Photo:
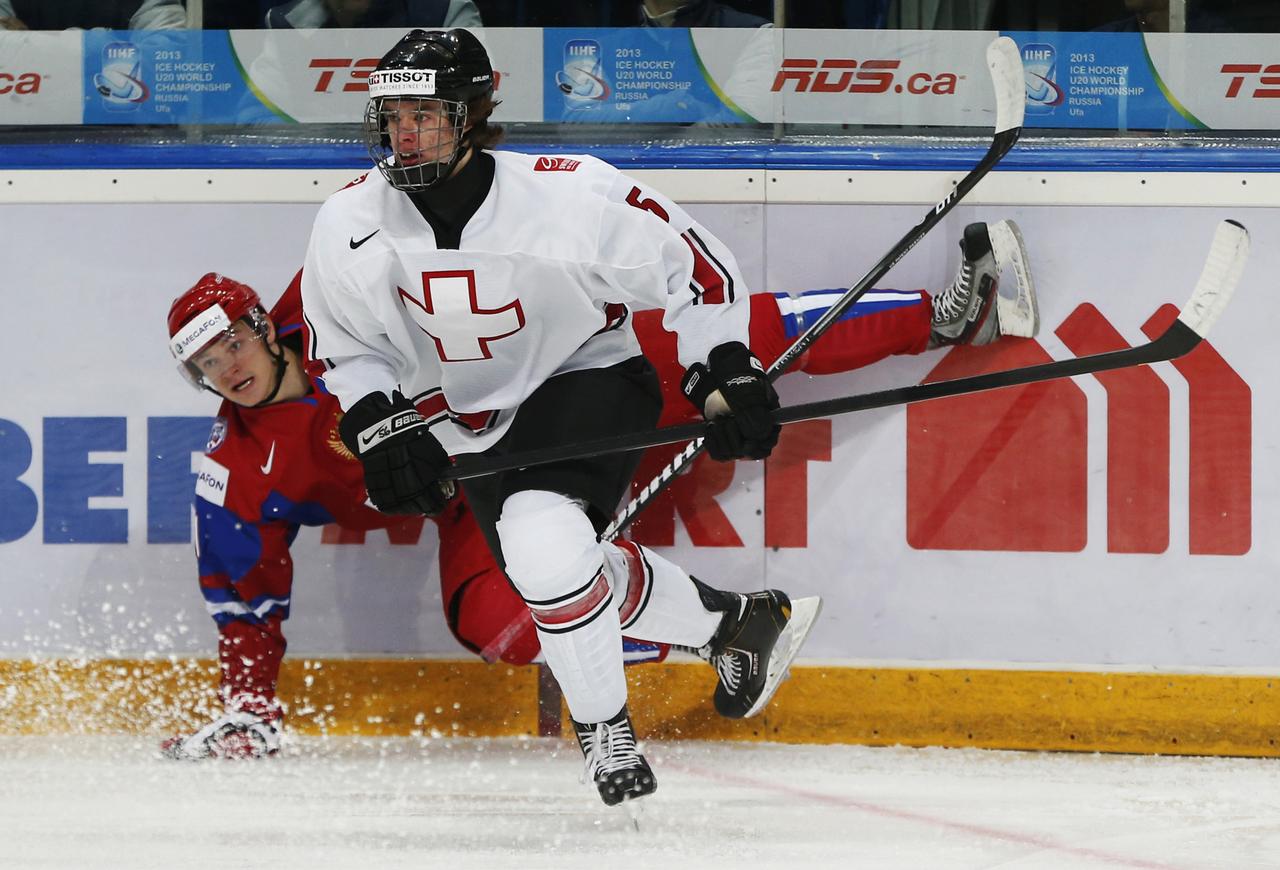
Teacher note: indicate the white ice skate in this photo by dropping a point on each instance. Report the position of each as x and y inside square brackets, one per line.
[975, 309]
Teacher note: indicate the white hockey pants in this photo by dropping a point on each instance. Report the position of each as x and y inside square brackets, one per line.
[583, 594]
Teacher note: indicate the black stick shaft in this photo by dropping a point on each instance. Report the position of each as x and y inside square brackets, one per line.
[1177, 340]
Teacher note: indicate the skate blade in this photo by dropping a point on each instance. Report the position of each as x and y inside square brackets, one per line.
[1019, 315]
[804, 613]
[634, 811]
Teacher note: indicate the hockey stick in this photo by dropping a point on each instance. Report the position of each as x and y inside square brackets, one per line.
[1221, 273]
[1005, 64]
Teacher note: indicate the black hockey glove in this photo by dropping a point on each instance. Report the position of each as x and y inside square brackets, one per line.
[732, 392]
[402, 460]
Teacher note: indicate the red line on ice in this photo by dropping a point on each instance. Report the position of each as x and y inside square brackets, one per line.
[922, 818]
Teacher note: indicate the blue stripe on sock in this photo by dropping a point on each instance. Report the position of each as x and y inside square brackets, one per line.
[794, 324]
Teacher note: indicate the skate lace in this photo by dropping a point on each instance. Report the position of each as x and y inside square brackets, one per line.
[729, 667]
[610, 747]
[956, 297]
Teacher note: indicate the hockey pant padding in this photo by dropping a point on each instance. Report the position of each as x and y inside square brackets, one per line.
[557, 565]
[656, 599]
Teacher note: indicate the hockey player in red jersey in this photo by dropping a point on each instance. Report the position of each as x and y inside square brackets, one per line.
[470, 301]
[274, 462]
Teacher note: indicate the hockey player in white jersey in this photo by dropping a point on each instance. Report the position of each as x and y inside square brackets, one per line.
[467, 301]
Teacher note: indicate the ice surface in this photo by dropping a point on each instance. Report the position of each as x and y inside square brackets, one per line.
[83, 803]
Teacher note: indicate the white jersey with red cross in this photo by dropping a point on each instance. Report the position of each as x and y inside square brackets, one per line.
[542, 282]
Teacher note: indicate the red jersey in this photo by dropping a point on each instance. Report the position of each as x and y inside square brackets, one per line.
[266, 472]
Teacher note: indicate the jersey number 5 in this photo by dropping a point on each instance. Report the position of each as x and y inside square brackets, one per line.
[634, 199]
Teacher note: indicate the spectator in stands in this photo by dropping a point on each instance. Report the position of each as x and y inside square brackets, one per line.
[374, 13]
[940, 14]
[87, 14]
[863, 14]
[1152, 16]
[233, 14]
[695, 13]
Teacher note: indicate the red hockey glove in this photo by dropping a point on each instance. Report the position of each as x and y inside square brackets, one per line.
[732, 392]
[402, 460]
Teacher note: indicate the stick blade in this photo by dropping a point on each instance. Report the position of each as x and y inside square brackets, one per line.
[1222, 268]
[1005, 62]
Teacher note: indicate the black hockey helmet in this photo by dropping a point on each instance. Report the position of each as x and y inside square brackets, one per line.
[448, 68]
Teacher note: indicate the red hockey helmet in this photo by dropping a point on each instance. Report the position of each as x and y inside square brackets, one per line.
[208, 313]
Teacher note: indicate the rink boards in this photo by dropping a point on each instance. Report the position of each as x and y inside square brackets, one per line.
[948, 705]
[1083, 565]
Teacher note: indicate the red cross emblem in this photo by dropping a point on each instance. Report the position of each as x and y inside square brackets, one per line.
[450, 313]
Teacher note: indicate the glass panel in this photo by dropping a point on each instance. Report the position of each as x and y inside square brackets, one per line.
[588, 73]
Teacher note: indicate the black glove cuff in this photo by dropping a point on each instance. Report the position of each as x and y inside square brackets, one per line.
[697, 384]
[375, 420]
[726, 361]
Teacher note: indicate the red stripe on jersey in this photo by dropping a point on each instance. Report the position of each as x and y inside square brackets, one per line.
[574, 610]
[316, 367]
[614, 315]
[711, 284]
[478, 421]
[433, 407]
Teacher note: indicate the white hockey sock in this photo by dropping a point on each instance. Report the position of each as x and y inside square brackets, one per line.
[556, 563]
[656, 599]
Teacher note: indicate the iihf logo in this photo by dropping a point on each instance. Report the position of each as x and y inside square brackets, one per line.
[581, 76]
[1040, 68]
[120, 82]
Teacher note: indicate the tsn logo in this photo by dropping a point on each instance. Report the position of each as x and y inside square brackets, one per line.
[840, 75]
[19, 83]
[1267, 76]
[356, 78]
[357, 73]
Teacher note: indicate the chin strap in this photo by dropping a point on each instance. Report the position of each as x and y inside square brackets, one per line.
[445, 170]
[281, 365]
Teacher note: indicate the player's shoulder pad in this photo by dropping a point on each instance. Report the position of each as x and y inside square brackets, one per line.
[358, 195]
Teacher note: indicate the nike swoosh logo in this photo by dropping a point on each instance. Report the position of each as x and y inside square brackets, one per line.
[355, 244]
[271, 457]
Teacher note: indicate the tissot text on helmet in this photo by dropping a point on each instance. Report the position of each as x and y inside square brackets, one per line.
[417, 82]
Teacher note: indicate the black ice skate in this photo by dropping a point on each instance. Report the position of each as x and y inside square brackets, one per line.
[613, 762]
[972, 309]
[754, 646]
